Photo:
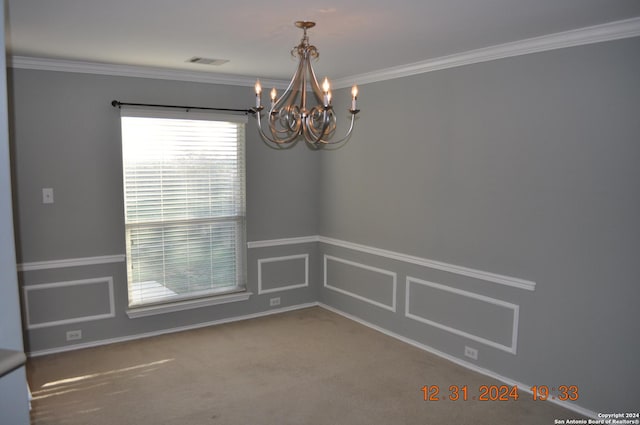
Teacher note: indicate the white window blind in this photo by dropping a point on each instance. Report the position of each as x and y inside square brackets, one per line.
[184, 199]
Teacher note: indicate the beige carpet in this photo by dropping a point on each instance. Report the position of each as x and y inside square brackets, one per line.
[304, 367]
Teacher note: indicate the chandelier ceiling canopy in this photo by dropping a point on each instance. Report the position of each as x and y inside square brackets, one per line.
[295, 115]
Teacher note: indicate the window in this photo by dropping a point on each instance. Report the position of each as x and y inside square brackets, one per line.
[184, 200]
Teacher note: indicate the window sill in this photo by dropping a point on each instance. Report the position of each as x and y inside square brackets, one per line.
[152, 310]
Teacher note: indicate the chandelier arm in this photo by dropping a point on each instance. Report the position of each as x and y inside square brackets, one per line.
[302, 87]
[289, 121]
[346, 136]
[328, 120]
[291, 90]
[314, 84]
[284, 116]
[307, 133]
[274, 140]
[314, 134]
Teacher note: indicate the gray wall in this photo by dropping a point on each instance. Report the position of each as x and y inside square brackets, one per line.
[519, 170]
[525, 167]
[66, 135]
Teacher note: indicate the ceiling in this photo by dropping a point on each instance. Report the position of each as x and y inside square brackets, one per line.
[354, 37]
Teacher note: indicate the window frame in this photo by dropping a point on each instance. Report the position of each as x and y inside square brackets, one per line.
[213, 296]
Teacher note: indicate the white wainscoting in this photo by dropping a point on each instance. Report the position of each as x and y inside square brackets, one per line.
[500, 279]
[108, 313]
[305, 278]
[70, 262]
[513, 307]
[282, 242]
[433, 264]
[394, 277]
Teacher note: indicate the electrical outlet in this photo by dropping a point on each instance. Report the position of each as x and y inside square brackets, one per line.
[274, 301]
[471, 352]
[73, 335]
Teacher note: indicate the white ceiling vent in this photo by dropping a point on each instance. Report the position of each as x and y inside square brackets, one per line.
[207, 61]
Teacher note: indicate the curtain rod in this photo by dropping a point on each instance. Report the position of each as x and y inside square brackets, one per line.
[118, 104]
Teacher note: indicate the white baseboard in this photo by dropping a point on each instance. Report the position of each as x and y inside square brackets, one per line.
[521, 387]
[101, 342]
[524, 387]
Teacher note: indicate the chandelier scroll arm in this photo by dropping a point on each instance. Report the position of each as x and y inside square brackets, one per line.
[348, 133]
[284, 101]
[291, 91]
[313, 134]
[266, 138]
[314, 83]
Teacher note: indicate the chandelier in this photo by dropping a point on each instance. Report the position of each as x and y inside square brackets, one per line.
[293, 115]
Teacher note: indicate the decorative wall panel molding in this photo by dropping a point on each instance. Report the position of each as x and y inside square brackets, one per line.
[389, 279]
[273, 280]
[452, 319]
[61, 303]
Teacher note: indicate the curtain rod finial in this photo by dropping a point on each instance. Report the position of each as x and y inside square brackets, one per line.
[115, 103]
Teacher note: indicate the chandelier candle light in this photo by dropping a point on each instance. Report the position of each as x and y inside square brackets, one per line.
[290, 117]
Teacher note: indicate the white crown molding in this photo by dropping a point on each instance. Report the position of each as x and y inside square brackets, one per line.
[595, 34]
[82, 67]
